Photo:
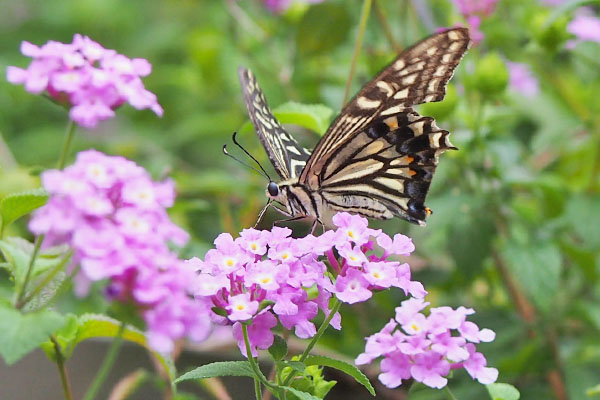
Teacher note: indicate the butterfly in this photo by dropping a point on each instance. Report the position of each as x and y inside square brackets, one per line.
[378, 157]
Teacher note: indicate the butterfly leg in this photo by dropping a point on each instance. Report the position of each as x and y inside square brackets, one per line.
[314, 226]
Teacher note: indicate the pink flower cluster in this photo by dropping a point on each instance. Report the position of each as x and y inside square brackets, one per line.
[263, 277]
[474, 11]
[522, 79]
[113, 215]
[91, 79]
[426, 348]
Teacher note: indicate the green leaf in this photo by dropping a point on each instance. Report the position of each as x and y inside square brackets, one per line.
[593, 391]
[503, 391]
[15, 205]
[537, 267]
[98, 325]
[21, 333]
[315, 117]
[278, 349]
[315, 34]
[300, 394]
[344, 367]
[18, 251]
[221, 368]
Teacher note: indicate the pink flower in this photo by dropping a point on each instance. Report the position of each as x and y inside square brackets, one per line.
[352, 288]
[427, 347]
[112, 214]
[585, 26]
[259, 333]
[480, 7]
[92, 80]
[241, 307]
[279, 6]
[522, 79]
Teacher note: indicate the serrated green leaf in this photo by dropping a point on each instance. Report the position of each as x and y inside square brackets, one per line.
[17, 253]
[315, 117]
[278, 349]
[21, 333]
[98, 325]
[344, 367]
[221, 368]
[503, 391]
[300, 394]
[16, 205]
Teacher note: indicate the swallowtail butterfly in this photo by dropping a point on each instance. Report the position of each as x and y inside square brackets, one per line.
[379, 155]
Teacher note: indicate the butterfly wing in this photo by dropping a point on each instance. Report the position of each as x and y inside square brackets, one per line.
[286, 155]
[386, 169]
[417, 75]
[379, 155]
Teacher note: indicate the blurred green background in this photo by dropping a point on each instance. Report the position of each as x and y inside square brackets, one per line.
[515, 232]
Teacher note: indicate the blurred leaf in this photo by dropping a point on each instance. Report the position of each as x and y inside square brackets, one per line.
[344, 367]
[18, 252]
[490, 77]
[21, 333]
[221, 368]
[503, 391]
[90, 326]
[583, 214]
[536, 267]
[315, 117]
[278, 349]
[16, 205]
[315, 34]
[593, 391]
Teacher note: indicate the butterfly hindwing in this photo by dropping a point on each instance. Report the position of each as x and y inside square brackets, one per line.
[286, 155]
[417, 75]
[386, 169]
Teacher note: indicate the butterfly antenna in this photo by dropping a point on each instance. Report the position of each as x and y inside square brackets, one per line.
[251, 156]
[243, 163]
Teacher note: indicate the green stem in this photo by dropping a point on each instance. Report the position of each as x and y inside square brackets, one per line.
[107, 364]
[449, 393]
[66, 145]
[253, 364]
[60, 362]
[36, 249]
[364, 16]
[385, 26]
[315, 339]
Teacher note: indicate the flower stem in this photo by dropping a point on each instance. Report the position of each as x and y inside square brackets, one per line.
[449, 393]
[253, 364]
[107, 364]
[60, 362]
[385, 26]
[66, 145]
[36, 249]
[315, 339]
[364, 16]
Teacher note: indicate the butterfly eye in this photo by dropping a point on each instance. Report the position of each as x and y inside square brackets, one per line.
[273, 189]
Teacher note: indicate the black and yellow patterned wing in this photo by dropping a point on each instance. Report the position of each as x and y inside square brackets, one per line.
[379, 155]
[385, 170]
[286, 155]
[418, 75]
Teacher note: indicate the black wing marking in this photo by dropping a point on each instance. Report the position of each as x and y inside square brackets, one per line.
[286, 155]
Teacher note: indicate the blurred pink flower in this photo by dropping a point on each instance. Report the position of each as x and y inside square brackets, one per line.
[113, 215]
[585, 26]
[92, 80]
[522, 79]
[279, 6]
[474, 11]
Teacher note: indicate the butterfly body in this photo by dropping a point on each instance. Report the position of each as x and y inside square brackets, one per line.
[378, 157]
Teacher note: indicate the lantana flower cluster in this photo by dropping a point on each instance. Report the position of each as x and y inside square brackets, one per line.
[265, 277]
[113, 215]
[92, 80]
[522, 79]
[426, 348]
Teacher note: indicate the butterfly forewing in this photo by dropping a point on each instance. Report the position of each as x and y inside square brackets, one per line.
[417, 75]
[286, 155]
